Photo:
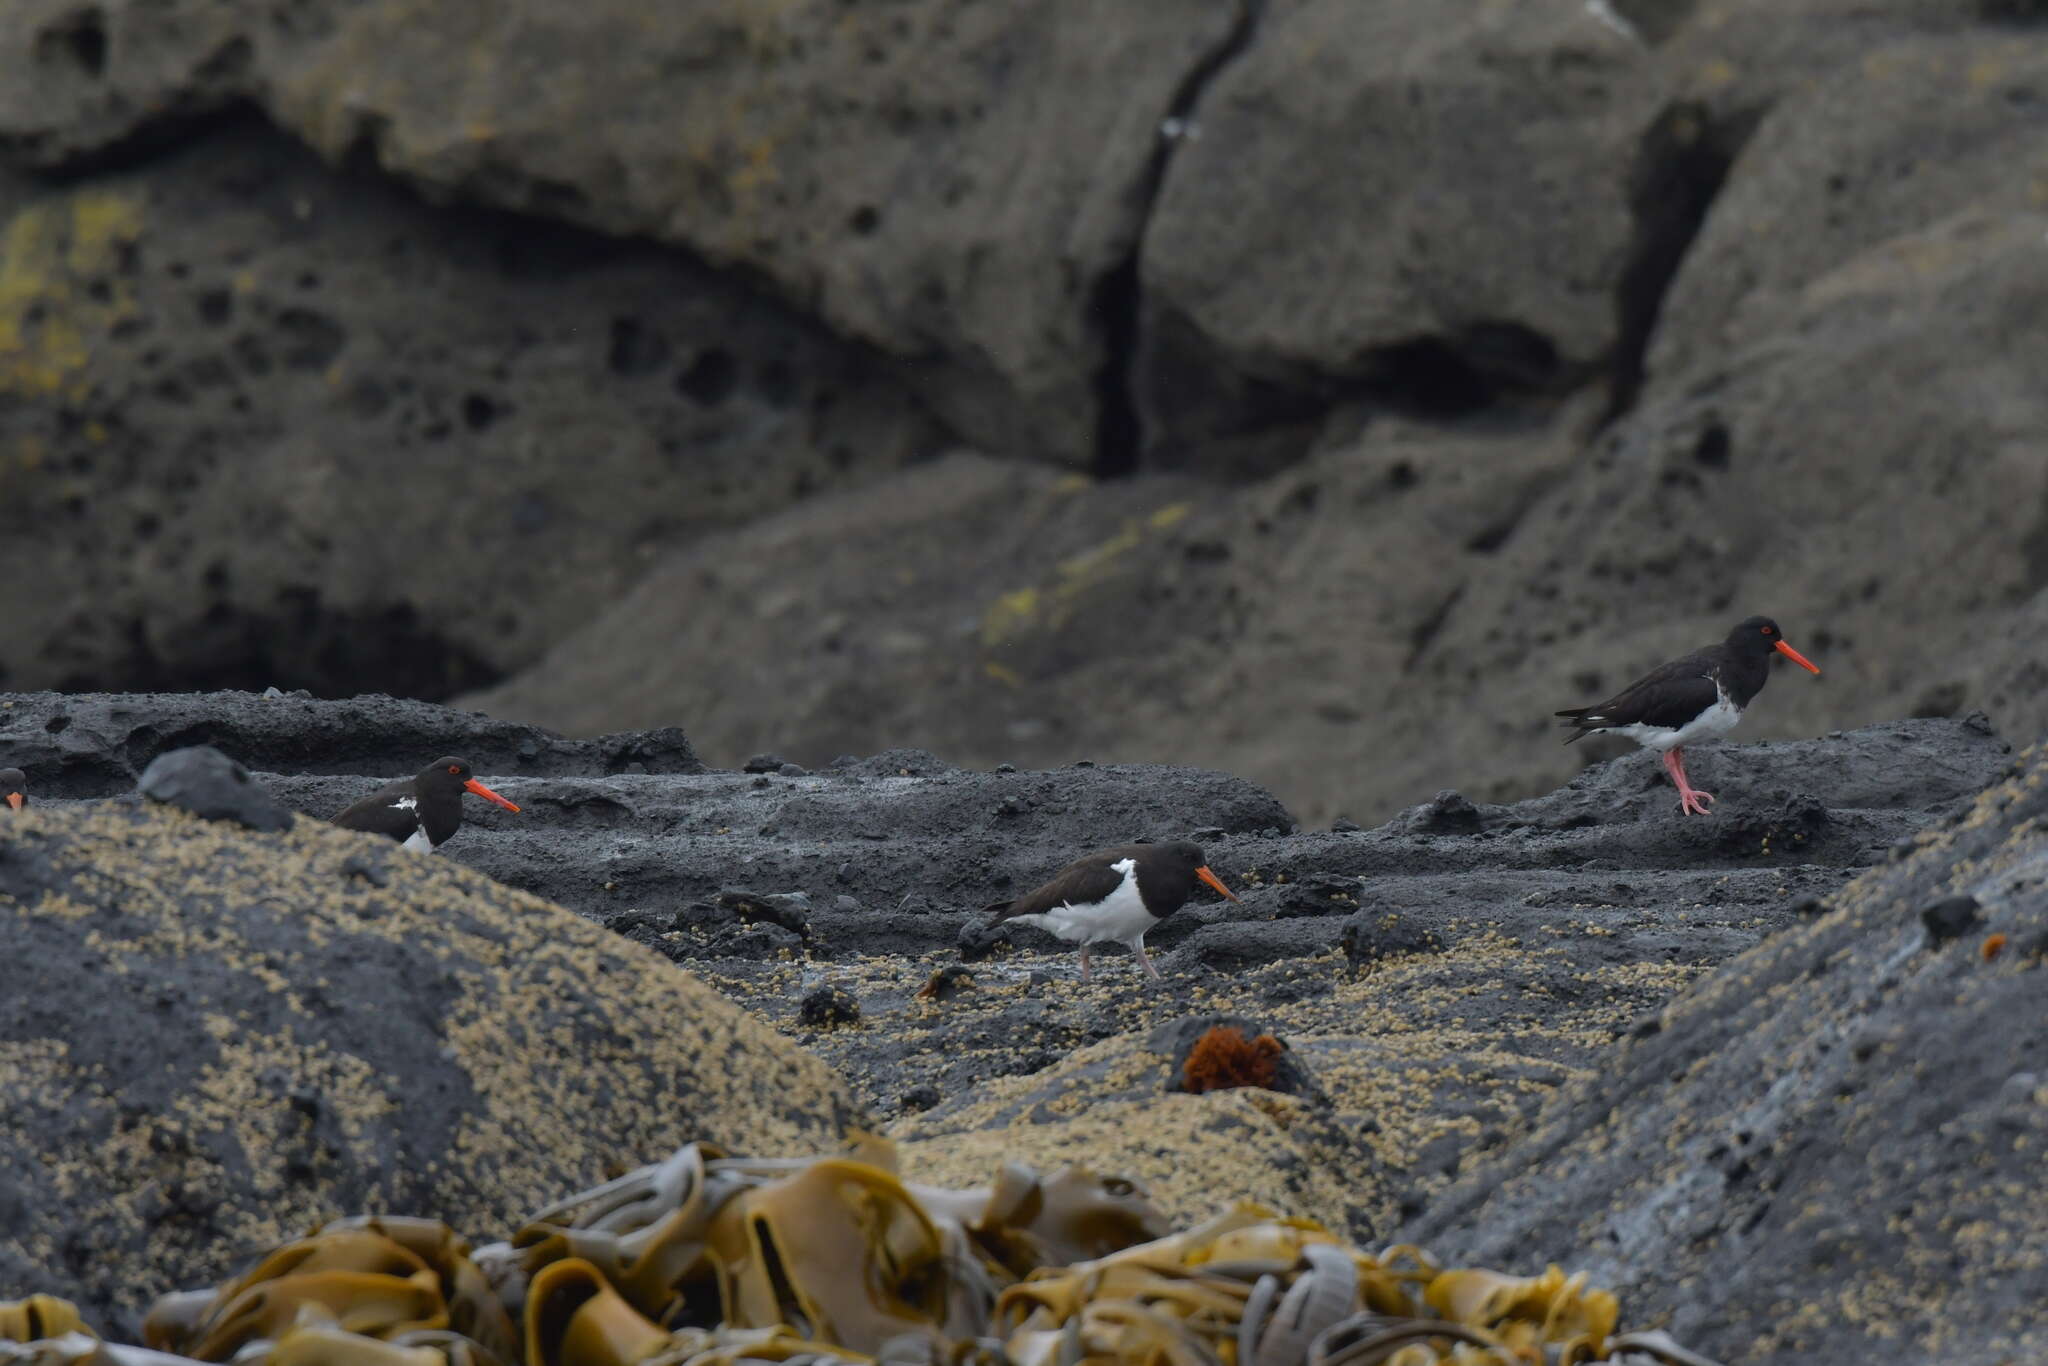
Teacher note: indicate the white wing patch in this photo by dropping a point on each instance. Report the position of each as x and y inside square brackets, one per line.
[406, 804]
[1119, 918]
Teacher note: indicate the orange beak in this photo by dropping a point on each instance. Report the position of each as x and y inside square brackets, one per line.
[1214, 881]
[474, 786]
[1801, 660]
[15, 799]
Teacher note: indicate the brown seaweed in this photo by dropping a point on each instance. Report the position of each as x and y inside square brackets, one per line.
[708, 1260]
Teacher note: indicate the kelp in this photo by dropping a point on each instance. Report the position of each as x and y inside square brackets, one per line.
[705, 1259]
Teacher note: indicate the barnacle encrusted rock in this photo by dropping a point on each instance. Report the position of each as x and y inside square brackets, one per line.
[211, 1041]
[1830, 1152]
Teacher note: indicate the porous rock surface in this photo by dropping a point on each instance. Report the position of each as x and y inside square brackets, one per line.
[268, 421]
[213, 1040]
[1521, 346]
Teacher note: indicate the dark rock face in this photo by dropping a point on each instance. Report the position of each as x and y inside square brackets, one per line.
[282, 424]
[908, 174]
[1559, 360]
[1818, 1124]
[259, 1032]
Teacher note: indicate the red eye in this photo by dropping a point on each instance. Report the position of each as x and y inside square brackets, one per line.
[1767, 630]
[456, 769]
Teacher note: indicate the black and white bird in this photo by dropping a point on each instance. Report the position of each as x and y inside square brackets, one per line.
[1692, 698]
[1112, 896]
[13, 788]
[421, 812]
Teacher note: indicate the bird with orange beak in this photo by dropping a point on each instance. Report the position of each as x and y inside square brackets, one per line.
[424, 811]
[1113, 896]
[13, 788]
[1695, 697]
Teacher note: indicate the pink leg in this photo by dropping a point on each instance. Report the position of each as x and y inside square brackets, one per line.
[1084, 962]
[1691, 801]
[1145, 959]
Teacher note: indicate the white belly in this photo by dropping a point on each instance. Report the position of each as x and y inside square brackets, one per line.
[1120, 918]
[418, 840]
[1718, 719]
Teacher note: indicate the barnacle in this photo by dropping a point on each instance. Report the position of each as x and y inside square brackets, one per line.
[704, 1259]
[1223, 1058]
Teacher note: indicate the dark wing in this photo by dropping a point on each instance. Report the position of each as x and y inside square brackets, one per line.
[380, 814]
[1669, 695]
[1088, 878]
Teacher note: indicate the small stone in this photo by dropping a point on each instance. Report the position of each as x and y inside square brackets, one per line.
[1006, 768]
[1949, 917]
[1344, 825]
[273, 691]
[946, 983]
[791, 910]
[529, 749]
[763, 763]
[794, 771]
[920, 1098]
[1084, 763]
[207, 783]
[829, 1007]
[703, 915]
[845, 905]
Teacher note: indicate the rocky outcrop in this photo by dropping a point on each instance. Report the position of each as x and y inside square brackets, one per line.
[1547, 336]
[1434, 985]
[1491, 949]
[949, 185]
[268, 423]
[1829, 1151]
[227, 1038]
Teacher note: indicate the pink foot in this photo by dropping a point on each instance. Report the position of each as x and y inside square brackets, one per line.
[1691, 801]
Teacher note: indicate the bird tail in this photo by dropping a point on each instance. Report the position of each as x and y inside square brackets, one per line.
[1582, 722]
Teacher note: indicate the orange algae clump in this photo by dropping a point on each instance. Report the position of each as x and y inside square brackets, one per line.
[1224, 1058]
[1992, 945]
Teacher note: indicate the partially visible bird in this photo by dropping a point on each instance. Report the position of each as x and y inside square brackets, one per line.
[421, 812]
[14, 788]
[1700, 695]
[1113, 896]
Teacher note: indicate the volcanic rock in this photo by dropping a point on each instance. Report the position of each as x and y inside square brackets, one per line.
[1830, 1151]
[228, 1038]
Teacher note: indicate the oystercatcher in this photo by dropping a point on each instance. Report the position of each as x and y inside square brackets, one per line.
[421, 812]
[1113, 896]
[13, 788]
[1700, 695]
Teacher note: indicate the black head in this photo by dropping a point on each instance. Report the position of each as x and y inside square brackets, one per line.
[451, 774]
[1760, 636]
[446, 771]
[13, 789]
[1186, 859]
